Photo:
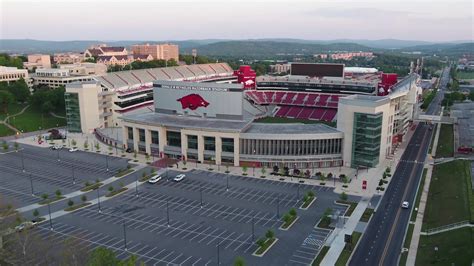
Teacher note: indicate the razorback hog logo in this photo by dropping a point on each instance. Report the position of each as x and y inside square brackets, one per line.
[192, 101]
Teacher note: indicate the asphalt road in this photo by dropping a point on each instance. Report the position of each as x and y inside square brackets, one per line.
[382, 242]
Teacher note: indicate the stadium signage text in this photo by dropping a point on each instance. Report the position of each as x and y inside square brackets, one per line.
[192, 88]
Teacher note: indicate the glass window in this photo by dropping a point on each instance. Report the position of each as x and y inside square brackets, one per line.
[154, 137]
[192, 142]
[209, 143]
[173, 138]
[141, 135]
[227, 144]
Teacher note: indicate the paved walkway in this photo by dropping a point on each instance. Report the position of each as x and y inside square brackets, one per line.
[415, 239]
[337, 235]
[7, 124]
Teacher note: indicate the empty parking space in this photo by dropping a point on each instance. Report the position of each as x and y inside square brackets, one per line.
[307, 251]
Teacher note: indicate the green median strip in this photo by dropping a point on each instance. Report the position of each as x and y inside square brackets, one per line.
[73, 208]
[366, 215]
[123, 173]
[317, 261]
[92, 187]
[113, 193]
[418, 196]
[46, 201]
[347, 251]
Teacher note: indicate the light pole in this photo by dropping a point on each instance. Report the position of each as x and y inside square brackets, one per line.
[298, 193]
[124, 235]
[22, 161]
[136, 187]
[278, 207]
[50, 221]
[253, 228]
[57, 152]
[107, 162]
[227, 188]
[168, 212]
[218, 255]
[31, 182]
[73, 176]
[200, 190]
[98, 200]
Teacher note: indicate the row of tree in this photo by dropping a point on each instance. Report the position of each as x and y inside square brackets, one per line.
[12, 61]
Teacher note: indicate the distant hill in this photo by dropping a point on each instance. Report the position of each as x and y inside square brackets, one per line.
[449, 49]
[259, 49]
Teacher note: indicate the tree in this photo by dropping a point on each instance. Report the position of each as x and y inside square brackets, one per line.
[20, 91]
[244, 169]
[292, 212]
[260, 242]
[86, 145]
[263, 170]
[5, 145]
[270, 234]
[16, 145]
[44, 196]
[103, 257]
[276, 169]
[239, 261]
[73, 142]
[111, 188]
[84, 198]
[286, 217]
[36, 213]
[110, 148]
[70, 203]
[6, 98]
[58, 193]
[310, 194]
[97, 146]
[147, 158]
[343, 196]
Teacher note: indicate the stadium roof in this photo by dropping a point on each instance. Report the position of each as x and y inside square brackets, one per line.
[290, 128]
[131, 78]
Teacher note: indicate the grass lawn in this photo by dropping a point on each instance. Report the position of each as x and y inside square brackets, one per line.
[346, 253]
[285, 120]
[465, 75]
[450, 198]
[5, 131]
[455, 247]
[366, 215]
[266, 245]
[13, 108]
[406, 244]
[320, 256]
[445, 142]
[32, 120]
[115, 192]
[418, 194]
[123, 173]
[73, 208]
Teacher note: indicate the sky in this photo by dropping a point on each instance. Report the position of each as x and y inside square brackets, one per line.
[161, 20]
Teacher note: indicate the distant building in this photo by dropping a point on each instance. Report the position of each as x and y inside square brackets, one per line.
[81, 69]
[8, 74]
[349, 56]
[38, 61]
[103, 50]
[54, 77]
[110, 60]
[157, 51]
[320, 56]
[68, 58]
[280, 68]
[142, 57]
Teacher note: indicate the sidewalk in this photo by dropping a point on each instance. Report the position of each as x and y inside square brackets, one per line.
[415, 239]
[338, 243]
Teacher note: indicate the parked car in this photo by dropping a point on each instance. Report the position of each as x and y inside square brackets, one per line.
[56, 147]
[405, 205]
[128, 150]
[154, 179]
[179, 177]
[73, 149]
[24, 225]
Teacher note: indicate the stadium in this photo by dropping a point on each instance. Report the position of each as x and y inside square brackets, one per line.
[332, 117]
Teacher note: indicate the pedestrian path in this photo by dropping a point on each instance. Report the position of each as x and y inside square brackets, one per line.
[338, 243]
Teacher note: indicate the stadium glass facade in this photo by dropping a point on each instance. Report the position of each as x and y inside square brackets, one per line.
[366, 139]
[73, 113]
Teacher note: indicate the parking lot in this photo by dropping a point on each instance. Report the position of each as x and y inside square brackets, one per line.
[207, 218]
[27, 174]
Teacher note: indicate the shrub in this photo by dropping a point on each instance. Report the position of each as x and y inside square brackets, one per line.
[292, 212]
[343, 196]
[111, 188]
[388, 170]
[330, 175]
[311, 193]
[87, 184]
[380, 182]
[129, 166]
[260, 242]
[58, 193]
[97, 180]
[270, 234]
[305, 198]
[84, 198]
[239, 261]
[286, 218]
[44, 196]
[36, 213]
[70, 203]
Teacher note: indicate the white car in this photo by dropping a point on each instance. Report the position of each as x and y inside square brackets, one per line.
[24, 225]
[73, 149]
[179, 177]
[56, 147]
[154, 179]
[405, 205]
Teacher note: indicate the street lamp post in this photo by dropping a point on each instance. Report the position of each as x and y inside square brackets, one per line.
[58, 154]
[298, 193]
[50, 221]
[22, 161]
[278, 207]
[227, 188]
[168, 212]
[136, 187]
[98, 200]
[253, 228]
[73, 176]
[200, 190]
[107, 162]
[124, 236]
[31, 183]
[218, 255]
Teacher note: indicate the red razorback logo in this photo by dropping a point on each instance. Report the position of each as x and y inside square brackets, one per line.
[192, 101]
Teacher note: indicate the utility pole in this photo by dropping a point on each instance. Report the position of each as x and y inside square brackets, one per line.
[31, 183]
[98, 201]
[50, 221]
[124, 235]
[168, 212]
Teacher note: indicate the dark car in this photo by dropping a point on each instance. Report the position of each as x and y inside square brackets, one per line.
[128, 150]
